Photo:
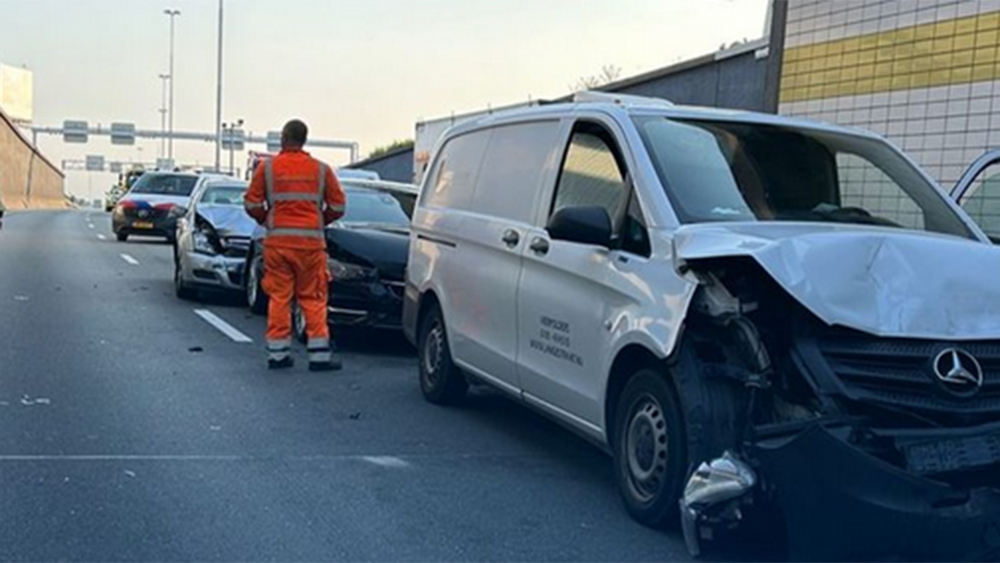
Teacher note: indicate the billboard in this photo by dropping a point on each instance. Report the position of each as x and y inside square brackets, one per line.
[16, 92]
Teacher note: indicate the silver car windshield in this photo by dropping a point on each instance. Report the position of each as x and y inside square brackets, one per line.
[231, 194]
[733, 171]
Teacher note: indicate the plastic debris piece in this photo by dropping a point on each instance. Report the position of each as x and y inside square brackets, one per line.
[130, 473]
[355, 415]
[21, 298]
[215, 428]
[196, 349]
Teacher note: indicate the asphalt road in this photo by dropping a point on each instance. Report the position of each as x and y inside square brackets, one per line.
[132, 429]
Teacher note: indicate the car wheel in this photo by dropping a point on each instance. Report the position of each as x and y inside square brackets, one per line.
[299, 323]
[256, 297]
[121, 236]
[650, 450]
[441, 381]
[180, 288]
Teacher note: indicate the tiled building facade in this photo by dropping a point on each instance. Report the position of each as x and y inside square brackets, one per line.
[924, 73]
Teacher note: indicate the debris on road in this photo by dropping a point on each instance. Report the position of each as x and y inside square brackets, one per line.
[130, 473]
[215, 428]
[21, 298]
[28, 401]
[196, 349]
[355, 416]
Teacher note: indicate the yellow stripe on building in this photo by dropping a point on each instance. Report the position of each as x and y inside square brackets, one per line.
[934, 54]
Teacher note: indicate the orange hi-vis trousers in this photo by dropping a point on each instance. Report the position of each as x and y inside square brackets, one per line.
[299, 274]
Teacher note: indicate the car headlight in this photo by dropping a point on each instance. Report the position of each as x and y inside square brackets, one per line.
[349, 272]
[202, 243]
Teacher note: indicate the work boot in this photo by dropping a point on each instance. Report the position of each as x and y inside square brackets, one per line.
[322, 356]
[283, 363]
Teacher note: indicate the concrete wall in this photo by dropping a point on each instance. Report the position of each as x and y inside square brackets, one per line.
[396, 166]
[27, 179]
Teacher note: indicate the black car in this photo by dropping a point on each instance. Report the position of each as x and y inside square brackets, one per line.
[151, 207]
[367, 252]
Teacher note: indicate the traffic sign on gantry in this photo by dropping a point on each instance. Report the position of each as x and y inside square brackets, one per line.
[95, 163]
[75, 131]
[122, 133]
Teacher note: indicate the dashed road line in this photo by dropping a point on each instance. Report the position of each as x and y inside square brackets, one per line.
[222, 326]
[90, 225]
[102, 237]
[386, 461]
[129, 259]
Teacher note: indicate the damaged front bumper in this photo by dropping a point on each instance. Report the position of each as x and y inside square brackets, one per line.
[839, 502]
[217, 272]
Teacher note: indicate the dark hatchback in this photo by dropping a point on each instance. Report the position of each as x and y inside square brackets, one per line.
[367, 252]
[150, 207]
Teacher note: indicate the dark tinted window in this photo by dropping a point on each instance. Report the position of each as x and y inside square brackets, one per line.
[371, 206]
[165, 184]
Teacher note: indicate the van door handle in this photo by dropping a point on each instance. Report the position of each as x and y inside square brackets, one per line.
[511, 238]
[539, 246]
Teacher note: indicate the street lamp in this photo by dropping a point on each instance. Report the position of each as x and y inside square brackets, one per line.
[163, 115]
[218, 95]
[229, 128]
[170, 141]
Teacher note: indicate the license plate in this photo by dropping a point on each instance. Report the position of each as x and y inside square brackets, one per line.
[142, 225]
[952, 454]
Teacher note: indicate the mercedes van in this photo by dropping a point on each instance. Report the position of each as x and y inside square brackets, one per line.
[756, 316]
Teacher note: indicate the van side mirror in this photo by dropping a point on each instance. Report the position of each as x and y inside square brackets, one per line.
[584, 224]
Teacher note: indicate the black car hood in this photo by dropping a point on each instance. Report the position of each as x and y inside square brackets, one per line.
[383, 248]
[228, 220]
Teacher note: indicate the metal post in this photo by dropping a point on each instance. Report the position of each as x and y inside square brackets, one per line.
[218, 96]
[163, 115]
[170, 141]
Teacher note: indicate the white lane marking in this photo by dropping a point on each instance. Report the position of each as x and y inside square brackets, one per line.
[90, 225]
[223, 327]
[102, 237]
[129, 259]
[385, 461]
[141, 457]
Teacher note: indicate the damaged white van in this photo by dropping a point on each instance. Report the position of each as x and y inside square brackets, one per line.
[756, 316]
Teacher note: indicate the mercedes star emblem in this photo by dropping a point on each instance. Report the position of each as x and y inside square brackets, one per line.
[959, 371]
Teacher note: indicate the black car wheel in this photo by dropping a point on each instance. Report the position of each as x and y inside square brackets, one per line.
[299, 323]
[122, 236]
[441, 381]
[650, 450]
[180, 288]
[256, 297]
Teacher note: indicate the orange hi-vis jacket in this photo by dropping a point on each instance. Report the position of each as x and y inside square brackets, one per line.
[294, 196]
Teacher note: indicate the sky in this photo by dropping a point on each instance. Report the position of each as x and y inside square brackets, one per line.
[354, 70]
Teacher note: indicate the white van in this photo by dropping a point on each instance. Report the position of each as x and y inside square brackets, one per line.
[743, 309]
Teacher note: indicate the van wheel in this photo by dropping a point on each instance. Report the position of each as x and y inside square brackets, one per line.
[441, 381]
[650, 451]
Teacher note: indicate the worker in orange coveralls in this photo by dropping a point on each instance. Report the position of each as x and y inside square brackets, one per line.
[295, 196]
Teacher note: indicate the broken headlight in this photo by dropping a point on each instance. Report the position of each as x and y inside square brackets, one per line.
[343, 271]
[202, 243]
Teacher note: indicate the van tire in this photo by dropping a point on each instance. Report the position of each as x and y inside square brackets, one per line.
[650, 449]
[441, 381]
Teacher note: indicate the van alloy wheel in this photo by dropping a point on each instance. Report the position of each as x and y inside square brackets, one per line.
[432, 355]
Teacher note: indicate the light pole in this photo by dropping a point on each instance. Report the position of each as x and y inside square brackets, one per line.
[170, 141]
[163, 115]
[229, 128]
[218, 98]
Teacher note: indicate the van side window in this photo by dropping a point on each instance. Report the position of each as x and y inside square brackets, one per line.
[453, 179]
[517, 158]
[591, 174]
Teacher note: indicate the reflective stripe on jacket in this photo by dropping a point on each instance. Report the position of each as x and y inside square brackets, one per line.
[294, 196]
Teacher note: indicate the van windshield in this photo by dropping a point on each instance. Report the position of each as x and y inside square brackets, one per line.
[731, 171]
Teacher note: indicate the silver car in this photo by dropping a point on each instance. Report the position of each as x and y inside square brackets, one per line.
[213, 237]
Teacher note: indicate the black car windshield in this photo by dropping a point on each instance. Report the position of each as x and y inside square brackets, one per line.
[224, 194]
[372, 206]
[732, 171]
[165, 184]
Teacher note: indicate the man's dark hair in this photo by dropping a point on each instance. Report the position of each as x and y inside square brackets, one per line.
[294, 133]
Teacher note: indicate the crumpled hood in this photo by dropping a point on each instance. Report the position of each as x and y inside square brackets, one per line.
[881, 281]
[228, 220]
